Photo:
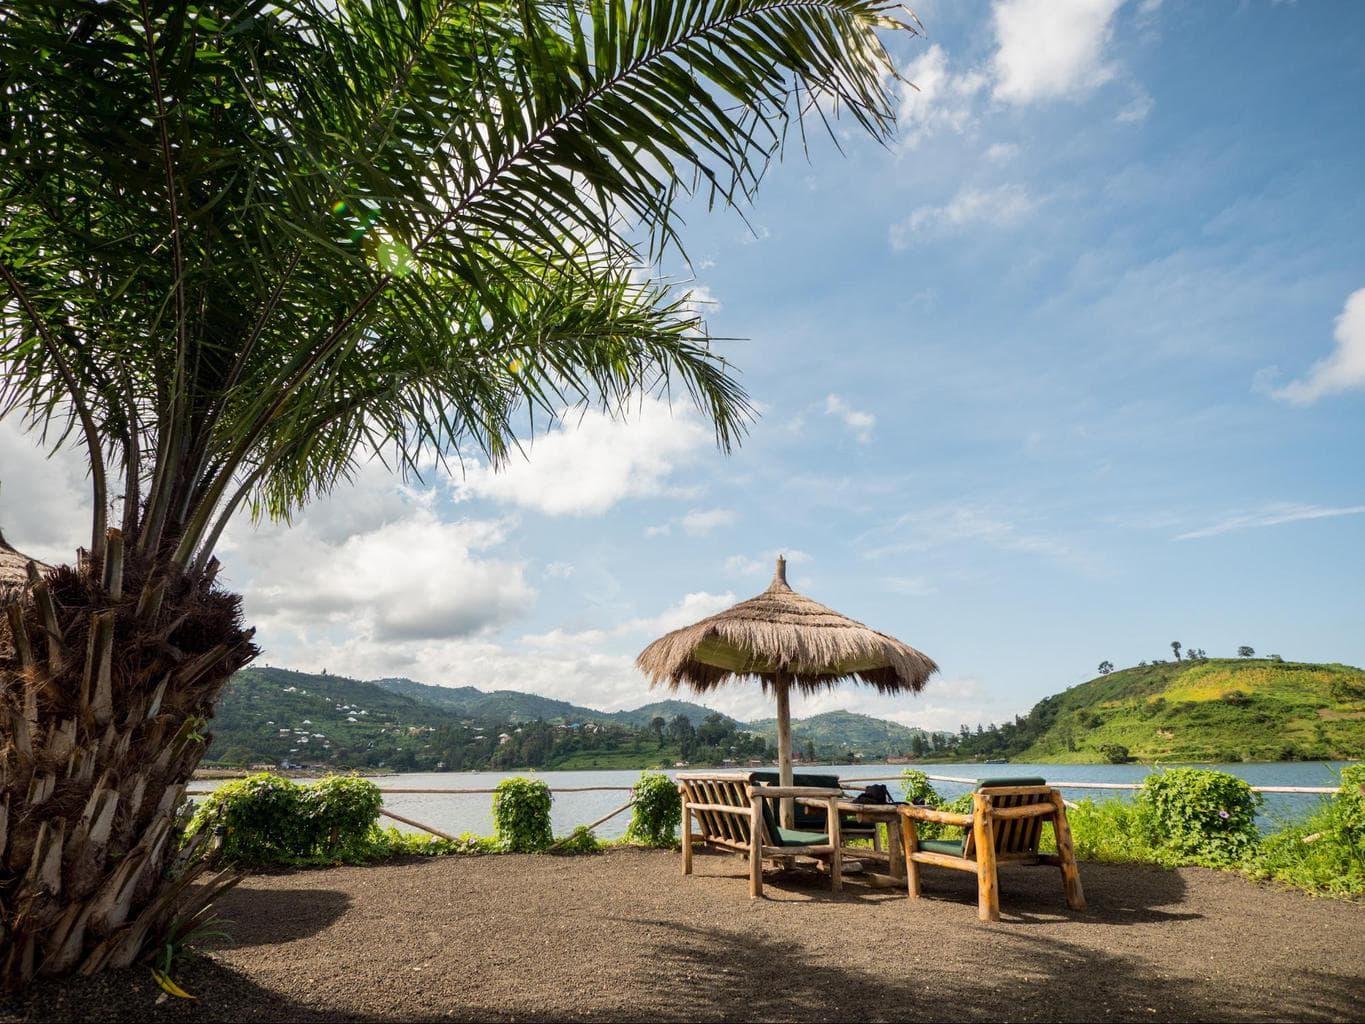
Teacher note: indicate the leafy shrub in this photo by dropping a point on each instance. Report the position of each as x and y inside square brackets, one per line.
[657, 813]
[521, 815]
[919, 790]
[262, 819]
[1115, 753]
[1199, 816]
[1107, 831]
[386, 843]
[339, 812]
[1325, 853]
[580, 840]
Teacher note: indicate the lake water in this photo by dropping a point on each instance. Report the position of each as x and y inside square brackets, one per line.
[457, 813]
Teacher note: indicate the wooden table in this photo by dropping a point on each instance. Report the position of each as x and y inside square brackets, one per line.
[892, 857]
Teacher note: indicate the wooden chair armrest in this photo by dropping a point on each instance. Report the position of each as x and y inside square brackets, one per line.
[930, 814]
[812, 791]
[719, 809]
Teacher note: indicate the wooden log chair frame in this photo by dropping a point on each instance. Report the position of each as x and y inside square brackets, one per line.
[1005, 825]
[735, 813]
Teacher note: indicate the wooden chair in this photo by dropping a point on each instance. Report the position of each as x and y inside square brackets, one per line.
[735, 813]
[1005, 825]
[812, 819]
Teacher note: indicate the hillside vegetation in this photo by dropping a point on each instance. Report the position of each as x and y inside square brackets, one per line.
[1207, 710]
[844, 735]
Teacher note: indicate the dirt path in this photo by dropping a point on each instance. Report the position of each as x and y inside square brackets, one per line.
[624, 936]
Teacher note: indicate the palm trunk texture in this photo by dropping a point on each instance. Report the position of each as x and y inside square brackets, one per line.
[108, 676]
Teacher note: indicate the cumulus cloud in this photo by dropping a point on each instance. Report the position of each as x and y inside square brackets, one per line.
[587, 464]
[1344, 368]
[934, 99]
[402, 575]
[1272, 515]
[1050, 48]
[857, 421]
[999, 207]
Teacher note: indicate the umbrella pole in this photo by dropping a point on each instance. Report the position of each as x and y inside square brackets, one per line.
[787, 810]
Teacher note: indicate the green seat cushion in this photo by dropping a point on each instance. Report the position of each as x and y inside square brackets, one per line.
[796, 837]
[1023, 780]
[951, 847]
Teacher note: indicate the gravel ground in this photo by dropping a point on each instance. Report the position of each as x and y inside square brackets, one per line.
[624, 936]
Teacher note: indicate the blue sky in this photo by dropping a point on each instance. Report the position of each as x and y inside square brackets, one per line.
[1069, 371]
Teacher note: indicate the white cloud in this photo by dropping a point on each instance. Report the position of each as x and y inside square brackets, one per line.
[559, 570]
[1000, 152]
[1344, 368]
[1050, 48]
[1273, 515]
[858, 421]
[910, 586]
[933, 99]
[44, 501]
[700, 522]
[588, 464]
[999, 207]
[1137, 109]
[932, 529]
[700, 300]
[402, 575]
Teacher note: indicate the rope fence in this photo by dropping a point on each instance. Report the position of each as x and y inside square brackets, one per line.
[850, 783]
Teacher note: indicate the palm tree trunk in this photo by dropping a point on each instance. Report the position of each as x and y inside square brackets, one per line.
[108, 676]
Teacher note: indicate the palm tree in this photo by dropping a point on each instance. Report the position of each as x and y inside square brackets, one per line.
[246, 244]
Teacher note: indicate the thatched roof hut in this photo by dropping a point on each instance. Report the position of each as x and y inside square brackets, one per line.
[784, 639]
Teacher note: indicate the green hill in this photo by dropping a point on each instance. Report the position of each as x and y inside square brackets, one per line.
[841, 735]
[1208, 710]
[517, 706]
[495, 706]
[669, 710]
[273, 714]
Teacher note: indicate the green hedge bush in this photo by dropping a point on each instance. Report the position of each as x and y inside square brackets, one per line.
[657, 813]
[267, 819]
[521, 815]
[1200, 816]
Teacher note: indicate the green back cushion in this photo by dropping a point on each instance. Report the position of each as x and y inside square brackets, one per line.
[806, 818]
[1023, 780]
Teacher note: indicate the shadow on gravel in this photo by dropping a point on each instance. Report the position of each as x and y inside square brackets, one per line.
[1124, 894]
[264, 917]
[711, 974]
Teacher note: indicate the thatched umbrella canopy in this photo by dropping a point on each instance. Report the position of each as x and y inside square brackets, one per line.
[784, 639]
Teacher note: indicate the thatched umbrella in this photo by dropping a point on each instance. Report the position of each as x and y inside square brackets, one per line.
[784, 639]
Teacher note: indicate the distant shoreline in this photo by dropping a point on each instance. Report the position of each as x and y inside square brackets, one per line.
[220, 774]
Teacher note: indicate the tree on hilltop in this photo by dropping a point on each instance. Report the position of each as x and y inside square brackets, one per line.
[1106, 667]
[1246, 652]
